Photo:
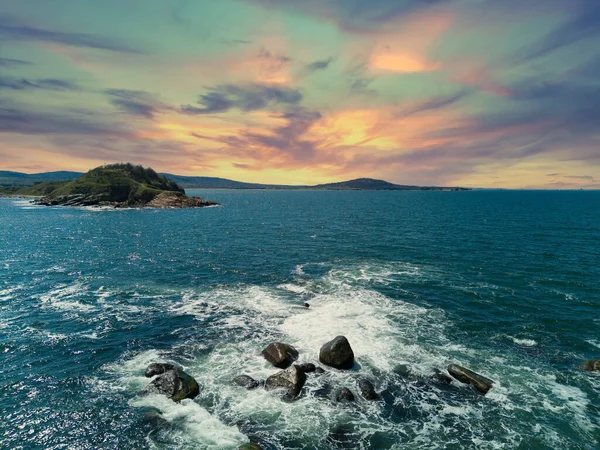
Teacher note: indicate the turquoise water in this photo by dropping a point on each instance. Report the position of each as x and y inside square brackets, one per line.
[505, 283]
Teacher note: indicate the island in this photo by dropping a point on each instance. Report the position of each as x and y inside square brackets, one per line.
[116, 186]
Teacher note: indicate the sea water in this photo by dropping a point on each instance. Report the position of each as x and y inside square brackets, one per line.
[505, 283]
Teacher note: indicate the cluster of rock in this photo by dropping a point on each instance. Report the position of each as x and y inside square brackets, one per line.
[592, 365]
[336, 353]
[173, 382]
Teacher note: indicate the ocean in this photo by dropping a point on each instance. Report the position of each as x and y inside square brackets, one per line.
[505, 283]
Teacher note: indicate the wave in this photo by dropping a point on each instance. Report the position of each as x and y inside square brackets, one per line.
[396, 343]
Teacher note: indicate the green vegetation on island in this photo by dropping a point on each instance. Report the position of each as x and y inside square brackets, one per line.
[116, 185]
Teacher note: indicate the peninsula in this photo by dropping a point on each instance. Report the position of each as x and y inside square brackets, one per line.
[116, 185]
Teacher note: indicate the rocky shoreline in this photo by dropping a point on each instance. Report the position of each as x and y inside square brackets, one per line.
[163, 200]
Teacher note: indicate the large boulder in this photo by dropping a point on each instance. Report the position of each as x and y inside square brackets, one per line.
[481, 383]
[175, 384]
[592, 365]
[158, 368]
[337, 353]
[280, 355]
[366, 388]
[246, 381]
[292, 380]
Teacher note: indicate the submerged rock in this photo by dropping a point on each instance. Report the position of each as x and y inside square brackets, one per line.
[366, 388]
[337, 353]
[292, 380]
[175, 384]
[307, 367]
[319, 371]
[404, 371]
[441, 376]
[466, 376]
[345, 395]
[280, 355]
[246, 381]
[250, 447]
[592, 365]
[157, 369]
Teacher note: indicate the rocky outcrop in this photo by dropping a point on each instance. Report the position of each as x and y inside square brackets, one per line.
[247, 382]
[345, 395]
[366, 388]
[176, 200]
[592, 365]
[158, 368]
[280, 355]
[466, 376]
[291, 379]
[175, 384]
[337, 353]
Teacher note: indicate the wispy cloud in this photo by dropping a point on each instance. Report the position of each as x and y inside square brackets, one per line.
[21, 84]
[245, 98]
[16, 31]
[319, 64]
[138, 103]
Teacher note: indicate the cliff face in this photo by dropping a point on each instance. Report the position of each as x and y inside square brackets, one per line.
[119, 185]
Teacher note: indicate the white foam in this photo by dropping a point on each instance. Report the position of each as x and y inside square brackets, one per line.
[64, 297]
[199, 425]
[594, 343]
[298, 270]
[383, 332]
[524, 342]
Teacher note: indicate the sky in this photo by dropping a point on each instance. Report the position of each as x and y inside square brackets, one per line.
[479, 93]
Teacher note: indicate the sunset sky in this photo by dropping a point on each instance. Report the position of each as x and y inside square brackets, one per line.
[483, 93]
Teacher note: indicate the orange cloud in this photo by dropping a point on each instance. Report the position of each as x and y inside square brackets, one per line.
[404, 45]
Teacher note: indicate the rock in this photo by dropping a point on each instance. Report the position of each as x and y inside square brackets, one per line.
[175, 384]
[157, 369]
[246, 381]
[441, 376]
[319, 371]
[366, 388]
[481, 383]
[292, 380]
[345, 395]
[250, 447]
[337, 353]
[306, 305]
[307, 367]
[592, 365]
[280, 355]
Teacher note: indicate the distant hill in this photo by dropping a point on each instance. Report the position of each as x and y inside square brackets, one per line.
[370, 184]
[8, 178]
[18, 179]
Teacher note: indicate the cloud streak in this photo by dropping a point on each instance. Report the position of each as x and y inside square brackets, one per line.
[15, 31]
[246, 98]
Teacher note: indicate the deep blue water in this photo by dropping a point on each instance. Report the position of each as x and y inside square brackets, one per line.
[505, 283]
